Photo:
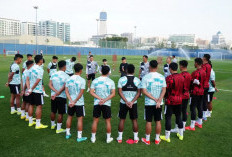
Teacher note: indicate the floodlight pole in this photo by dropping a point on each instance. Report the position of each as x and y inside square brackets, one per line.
[97, 25]
[36, 29]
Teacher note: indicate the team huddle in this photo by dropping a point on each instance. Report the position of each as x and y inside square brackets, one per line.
[173, 91]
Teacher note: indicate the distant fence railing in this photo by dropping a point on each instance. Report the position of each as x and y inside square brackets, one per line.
[67, 50]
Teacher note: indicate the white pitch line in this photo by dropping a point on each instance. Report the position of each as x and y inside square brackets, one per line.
[225, 90]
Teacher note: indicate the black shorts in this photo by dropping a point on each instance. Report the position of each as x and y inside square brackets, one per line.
[124, 109]
[58, 105]
[151, 111]
[91, 77]
[14, 88]
[105, 110]
[70, 74]
[26, 99]
[210, 96]
[80, 111]
[36, 99]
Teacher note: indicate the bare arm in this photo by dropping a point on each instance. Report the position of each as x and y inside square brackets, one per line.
[121, 95]
[10, 77]
[149, 95]
[94, 94]
[71, 104]
[28, 83]
[48, 70]
[109, 97]
[161, 97]
[52, 88]
[79, 95]
[136, 96]
[140, 72]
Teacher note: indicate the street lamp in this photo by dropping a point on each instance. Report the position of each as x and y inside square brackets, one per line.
[97, 25]
[36, 28]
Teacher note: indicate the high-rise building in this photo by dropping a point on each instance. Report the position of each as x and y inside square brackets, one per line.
[9, 27]
[28, 28]
[183, 39]
[129, 36]
[55, 29]
[103, 20]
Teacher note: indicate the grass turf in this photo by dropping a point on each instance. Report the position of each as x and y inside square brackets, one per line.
[17, 139]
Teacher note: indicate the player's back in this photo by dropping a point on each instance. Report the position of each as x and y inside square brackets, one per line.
[187, 82]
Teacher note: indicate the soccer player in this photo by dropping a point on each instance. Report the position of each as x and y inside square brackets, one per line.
[196, 93]
[166, 67]
[29, 58]
[35, 91]
[153, 87]
[174, 60]
[58, 96]
[187, 81]
[104, 61]
[207, 68]
[123, 67]
[88, 56]
[26, 101]
[69, 66]
[103, 90]
[52, 66]
[173, 101]
[129, 91]
[91, 69]
[144, 67]
[74, 89]
[14, 82]
[212, 89]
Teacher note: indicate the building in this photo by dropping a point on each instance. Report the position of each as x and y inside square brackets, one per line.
[183, 39]
[28, 28]
[96, 38]
[103, 24]
[129, 36]
[202, 44]
[9, 27]
[55, 29]
[218, 39]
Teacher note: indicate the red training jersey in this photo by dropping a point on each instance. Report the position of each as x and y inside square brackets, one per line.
[175, 89]
[207, 68]
[187, 82]
[200, 75]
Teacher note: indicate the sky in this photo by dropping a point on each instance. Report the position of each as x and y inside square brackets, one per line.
[152, 17]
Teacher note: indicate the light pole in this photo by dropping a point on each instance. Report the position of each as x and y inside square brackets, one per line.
[36, 28]
[97, 25]
[135, 35]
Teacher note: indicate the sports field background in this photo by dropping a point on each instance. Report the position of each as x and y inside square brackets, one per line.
[17, 139]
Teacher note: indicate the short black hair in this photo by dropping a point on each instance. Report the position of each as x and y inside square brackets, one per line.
[43, 60]
[173, 56]
[145, 56]
[123, 58]
[130, 69]
[78, 67]
[61, 64]
[105, 70]
[153, 64]
[28, 63]
[37, 58]
[104, 60]
[210, 63]
[54, 57]
[207, 57]
[183, 63]
[173, 66]
[29, 55]
[73, 59]
[90, 56]
[18, 56]
[198, 61]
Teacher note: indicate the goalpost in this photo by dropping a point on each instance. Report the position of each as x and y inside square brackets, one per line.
[11, 53]
[214, 55]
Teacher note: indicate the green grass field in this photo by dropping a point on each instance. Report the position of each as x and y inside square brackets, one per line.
[215, 139]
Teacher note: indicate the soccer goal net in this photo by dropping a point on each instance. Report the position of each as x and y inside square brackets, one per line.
[213, 55]
[11, 53]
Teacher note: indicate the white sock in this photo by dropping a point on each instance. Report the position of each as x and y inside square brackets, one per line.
[136, 136]
[30, 120]
[204, 114]
[38, 122]
[199, 121]
[27, 116]
[19, 109]
[68, 131]
[157, 137]
[181, 132]
[22, 113]
[176, 126]
[147, 137]
[120, 135]
[79, 134]
[184, 123]
[167, 134]
[108, 135]
[192, 124]
[59, 126]
[52, 123]
[12, 109]
[93, 136]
